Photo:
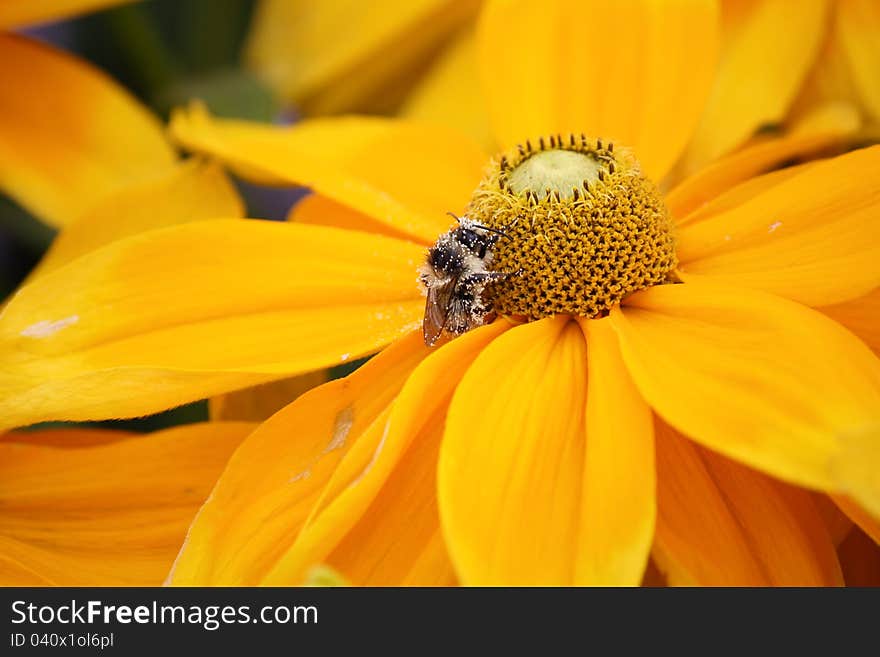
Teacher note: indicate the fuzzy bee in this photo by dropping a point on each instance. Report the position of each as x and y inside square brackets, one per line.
[455, 274]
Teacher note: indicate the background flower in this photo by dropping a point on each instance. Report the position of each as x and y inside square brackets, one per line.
[139, 337]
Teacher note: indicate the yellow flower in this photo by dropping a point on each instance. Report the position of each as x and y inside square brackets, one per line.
[686, 424]
[331, 57]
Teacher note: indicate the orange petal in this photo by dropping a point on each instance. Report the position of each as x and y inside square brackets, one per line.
[58, 159]
[868, 523]
[377, 520]
[618, 507]
[18, 13]
[811, 238]
[722, 524]
[406, 175]
[191, 311]
[750, 88]
[192, 191]
[511, 464]
[860, 560]
[85, 513]
[633, 72]
[334, 56]
[836, 521]
[266, 493]
[716, 178]
[861, 316]
[760, 379]
[858, 23]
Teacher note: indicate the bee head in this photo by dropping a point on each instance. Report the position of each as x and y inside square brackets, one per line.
[474, 236]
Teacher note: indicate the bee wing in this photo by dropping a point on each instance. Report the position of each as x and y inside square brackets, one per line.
[437, 307]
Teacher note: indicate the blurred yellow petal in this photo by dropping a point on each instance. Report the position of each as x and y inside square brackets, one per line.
[321, 211]
[186, 312]
[830, 79]
[18, 13]
[450, 93]
[263, 401]
[752, 87]
[637, 73]
[272, 482]
[868, 523]
[59, 158]
[861, 316]
[813, 237]
[112, 514]
[406, 175]
[716, 178]
[192, 191]
[619, 506]
[722, 524]
[377, 520]
[858, 27]
[340, 55]
[760, 379]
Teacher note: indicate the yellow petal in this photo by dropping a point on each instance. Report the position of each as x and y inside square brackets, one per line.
[740, 194]
[633, 72]
[812, 238]
[861, 316]
[618, 507]
[751, 88]
[334, 56]
[406, 175]
[111, 514]
[722, 524]
[868, 523]
[450, 93]
[18, 13]
[858, 23]
[760, 379]
[186, 312]
[192, 191]
[377, 520]
[512, 461]
[57, 159]
[272, 482]
[261, 402]
[716, 178]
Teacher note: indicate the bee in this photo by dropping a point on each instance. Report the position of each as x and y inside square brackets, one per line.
[455, 274]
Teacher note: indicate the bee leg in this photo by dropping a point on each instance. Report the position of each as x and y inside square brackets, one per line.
[474, 280]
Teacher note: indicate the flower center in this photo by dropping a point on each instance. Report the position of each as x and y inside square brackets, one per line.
[583, 228]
